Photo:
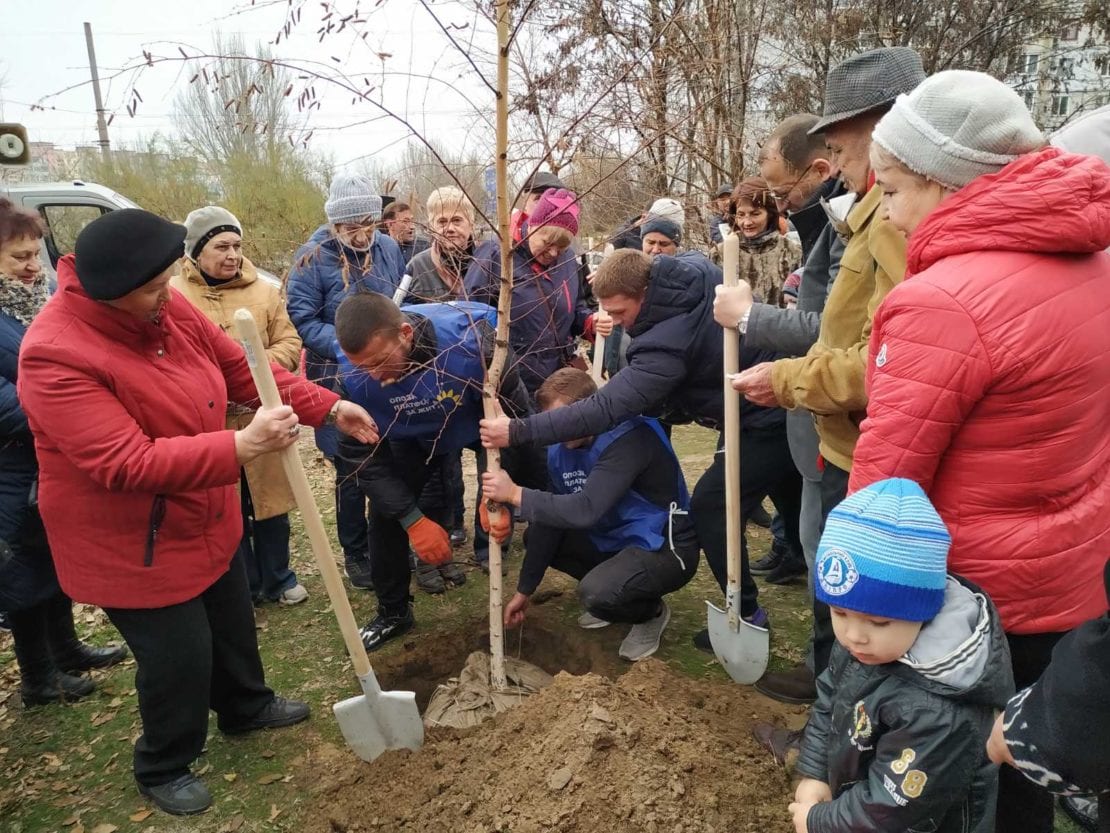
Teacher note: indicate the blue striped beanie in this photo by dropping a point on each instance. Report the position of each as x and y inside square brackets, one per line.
[884, 553]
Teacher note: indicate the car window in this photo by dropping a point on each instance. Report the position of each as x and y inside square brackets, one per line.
[64, 223]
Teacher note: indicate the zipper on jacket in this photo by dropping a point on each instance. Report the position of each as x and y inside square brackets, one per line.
[157, 514]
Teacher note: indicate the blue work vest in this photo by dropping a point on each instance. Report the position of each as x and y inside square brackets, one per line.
[440, 403]
[635, 521]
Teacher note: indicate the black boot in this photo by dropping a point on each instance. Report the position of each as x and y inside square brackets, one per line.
[41, 682]
[70, 653]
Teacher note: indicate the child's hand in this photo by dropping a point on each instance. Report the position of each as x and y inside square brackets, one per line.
[800, 811]
[812, 791]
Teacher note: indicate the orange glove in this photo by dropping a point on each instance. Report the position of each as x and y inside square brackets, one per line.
[502, 528]
[430, 541]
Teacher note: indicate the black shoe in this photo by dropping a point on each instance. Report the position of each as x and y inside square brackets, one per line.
[458, 536]
[791, 567]
[184, 796]
[383, 628]
[82, 657]
[452, 574]
[277, 713]
[59, 687]
[428, 579]
[771, 560]
[703, 643]
[796, 686]
[4, 624]
[358, 573]
[1082, 809]
[760, 517]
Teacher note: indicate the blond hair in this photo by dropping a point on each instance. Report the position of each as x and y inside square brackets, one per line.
[447, 201]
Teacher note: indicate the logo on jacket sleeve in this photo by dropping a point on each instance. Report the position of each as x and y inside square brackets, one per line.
[880, 360]
[836, 571]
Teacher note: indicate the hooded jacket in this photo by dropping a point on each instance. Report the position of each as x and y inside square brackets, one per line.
[675, 364]
[988, 383]
[137, 473]
[548, 309]
[271, 494]
[902, 746]
[324, 272]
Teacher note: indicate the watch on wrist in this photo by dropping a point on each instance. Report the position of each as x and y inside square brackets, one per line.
[333, 414]
[742, 324]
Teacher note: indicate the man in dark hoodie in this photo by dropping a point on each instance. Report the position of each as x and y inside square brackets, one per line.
[675, 372]
[895, 740]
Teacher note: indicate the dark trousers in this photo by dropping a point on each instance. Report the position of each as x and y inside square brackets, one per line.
[456, 491]
[351, 516]
[625, 586]
[1023, 807]
[766, 468]
[834, 488]
[40, 633]
[390, 569]
[190, 657]
[265, 550]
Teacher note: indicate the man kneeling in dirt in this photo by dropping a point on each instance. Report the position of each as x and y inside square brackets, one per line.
[419, 370]
[617, 521]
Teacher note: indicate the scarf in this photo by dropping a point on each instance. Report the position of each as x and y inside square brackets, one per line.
[22, 301]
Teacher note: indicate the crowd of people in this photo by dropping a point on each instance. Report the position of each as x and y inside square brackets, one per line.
[924, 320]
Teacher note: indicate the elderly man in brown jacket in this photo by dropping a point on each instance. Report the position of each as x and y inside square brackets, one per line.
[828, 381]
[218, 280]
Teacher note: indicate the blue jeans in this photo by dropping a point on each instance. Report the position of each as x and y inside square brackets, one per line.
[265, 550]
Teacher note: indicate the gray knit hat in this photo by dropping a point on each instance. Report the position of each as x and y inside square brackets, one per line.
[204, 224]
[867, 81]
[958, 125]
[352, 197]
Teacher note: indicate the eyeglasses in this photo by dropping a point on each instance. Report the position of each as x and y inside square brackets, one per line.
[781, 195]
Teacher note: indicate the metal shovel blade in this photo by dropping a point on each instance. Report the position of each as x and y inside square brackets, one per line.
[743, 652]
[379, 720]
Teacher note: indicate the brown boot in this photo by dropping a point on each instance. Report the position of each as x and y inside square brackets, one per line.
[795, 686]
[783, 744]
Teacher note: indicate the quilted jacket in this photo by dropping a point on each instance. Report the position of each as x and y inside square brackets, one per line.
[988, 384]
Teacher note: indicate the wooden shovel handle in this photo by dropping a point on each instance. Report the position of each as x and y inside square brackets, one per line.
[598, 367]
[731, 266]
[310, 513]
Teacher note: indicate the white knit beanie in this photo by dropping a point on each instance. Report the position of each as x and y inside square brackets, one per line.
[958, 125]
[352, 197]
[667, 208]
[205, 223]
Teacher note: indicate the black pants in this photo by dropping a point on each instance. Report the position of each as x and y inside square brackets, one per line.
[456, 491]
[834, 488]
[40, 633]
[1023, 807]
[766, 469]
[625, 586]
[265, 549]
[389, 542]
[192, 656]
[351, 517]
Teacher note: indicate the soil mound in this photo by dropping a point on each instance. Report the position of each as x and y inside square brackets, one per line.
[651, 752]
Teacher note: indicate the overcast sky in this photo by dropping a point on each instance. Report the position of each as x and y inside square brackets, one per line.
[425, 80]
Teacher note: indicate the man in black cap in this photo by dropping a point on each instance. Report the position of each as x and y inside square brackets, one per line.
[828, 380]
[720, 210]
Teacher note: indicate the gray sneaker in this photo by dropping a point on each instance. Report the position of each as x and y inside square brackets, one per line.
[643, 640]
[589, 622]
[184, 796]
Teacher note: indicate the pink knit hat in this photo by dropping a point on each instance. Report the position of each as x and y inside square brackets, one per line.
[557, 208]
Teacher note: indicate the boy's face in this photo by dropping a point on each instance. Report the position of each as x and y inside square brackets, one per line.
[873, 640]
[581, 442]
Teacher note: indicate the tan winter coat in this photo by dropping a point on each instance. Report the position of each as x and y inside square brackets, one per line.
[829, 379]
[767, 264]
[270, 491]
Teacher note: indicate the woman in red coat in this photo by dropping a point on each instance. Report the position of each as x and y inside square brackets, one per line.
[990, 364]
[125, 385]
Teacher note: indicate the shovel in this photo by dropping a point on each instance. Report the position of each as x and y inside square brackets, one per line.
[741, 647]
[376, 720]
[598, 367]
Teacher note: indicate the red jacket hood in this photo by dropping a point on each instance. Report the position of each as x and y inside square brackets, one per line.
[1050, 202]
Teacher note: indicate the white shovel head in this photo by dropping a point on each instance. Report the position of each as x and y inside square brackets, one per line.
[379, 720]
[742, 652]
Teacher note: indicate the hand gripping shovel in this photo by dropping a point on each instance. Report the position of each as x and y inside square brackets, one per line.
[376, 720]
[741, 647]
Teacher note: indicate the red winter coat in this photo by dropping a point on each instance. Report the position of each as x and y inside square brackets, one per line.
[989, 384]
[128, 419]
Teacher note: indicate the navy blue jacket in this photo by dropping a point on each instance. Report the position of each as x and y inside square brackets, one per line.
[675, 364]
[324, 273]
[548, 309]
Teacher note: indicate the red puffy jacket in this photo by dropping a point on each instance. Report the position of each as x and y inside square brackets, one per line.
[137, 475]
[989, 384]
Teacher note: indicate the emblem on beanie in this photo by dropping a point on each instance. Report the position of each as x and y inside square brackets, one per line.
[880, 359]
[837, 573]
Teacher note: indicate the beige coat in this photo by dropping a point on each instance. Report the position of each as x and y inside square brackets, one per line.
[270, 491]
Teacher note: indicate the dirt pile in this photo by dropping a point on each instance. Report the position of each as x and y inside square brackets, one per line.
[651, 752]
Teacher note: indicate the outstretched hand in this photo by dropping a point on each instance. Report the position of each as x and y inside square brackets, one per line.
[354, 421]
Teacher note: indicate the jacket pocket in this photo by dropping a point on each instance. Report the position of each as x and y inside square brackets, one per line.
[157, 514]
